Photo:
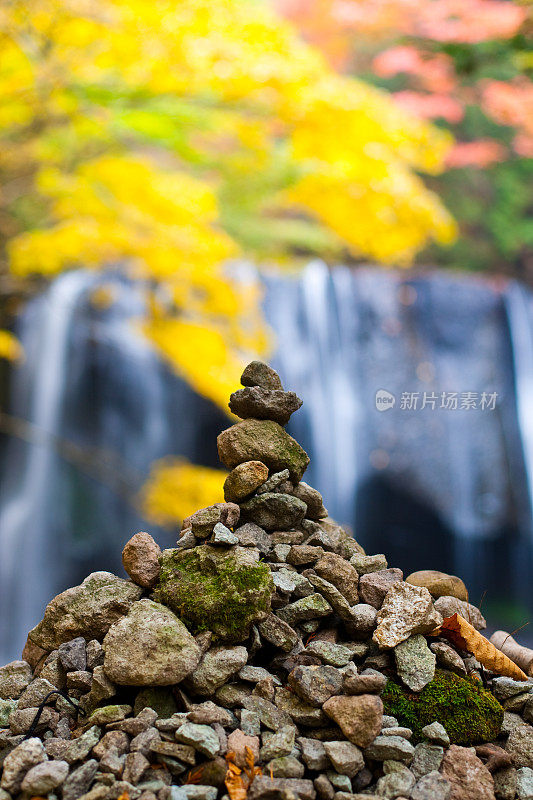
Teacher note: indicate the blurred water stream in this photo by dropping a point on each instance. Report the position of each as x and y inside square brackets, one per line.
[431, 487]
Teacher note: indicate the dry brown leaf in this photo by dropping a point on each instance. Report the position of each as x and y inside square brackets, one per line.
[235, 785]
[463, 635]
[195, 775]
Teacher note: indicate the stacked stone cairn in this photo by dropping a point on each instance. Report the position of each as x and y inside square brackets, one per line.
[267, 628]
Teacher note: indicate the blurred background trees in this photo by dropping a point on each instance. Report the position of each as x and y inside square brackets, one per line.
[467, 67]
[164, 138]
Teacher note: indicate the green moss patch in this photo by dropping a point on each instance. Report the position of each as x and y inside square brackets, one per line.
[469, 713]
[216, 590]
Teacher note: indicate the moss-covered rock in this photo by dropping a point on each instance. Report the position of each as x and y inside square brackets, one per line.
[217, 590]
[469, 713]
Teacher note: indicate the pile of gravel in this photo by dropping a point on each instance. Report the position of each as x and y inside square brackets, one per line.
[269, 631]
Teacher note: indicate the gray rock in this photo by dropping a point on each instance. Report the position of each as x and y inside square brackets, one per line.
[340, 782]
[256, 674]
[250, 722]
[272, 484]
[22, 719]
[274, 511]
[149, 647]
[337, 655]
[436, 733]
[301, 554]
[251, 535]
[201, 737]
[432, 786]
[271, 716]
[373, 586]
[448, 605]
[19, 761]
[213, 671]
[505, 783]
[364, 684]
[315, 685]
[86, 610]
[144, 742]
[73, 654]
[79, 781]
[520, 746]
[406, 610]
[366, 564]
[313, 753]
[394, 748]
[78, 749]
[363, 620]
[203, 521]
[299, 711]
[34, 694]
[233, 694]
[14, 677]
[80, 679]
[6, 709]
[283, 581]
[285, 767]
[223, 536]
[345, 757]
[504, 688]
[448, 658]
[257, 373]
[259, 403]
[336, 600]
[191, 791]
[313, 500]
[279, 744]
[140, 559]
[45, 777]
[427, 758]
[312, 607]
[135, 765]
[415, 662]
[262, 440]
[406, 733]
[341, 574]
[396, 783]
[524, 783]
[266, 788]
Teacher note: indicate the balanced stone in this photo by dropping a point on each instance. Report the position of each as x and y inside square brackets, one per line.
[140, 559]
[265, 441]
[202, 522]
[274, 511]
[244, 479]
[257, 373]
[259, 403]
[312, 499]
[149, 647]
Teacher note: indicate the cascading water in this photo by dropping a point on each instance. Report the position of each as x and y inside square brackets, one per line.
[428, 486]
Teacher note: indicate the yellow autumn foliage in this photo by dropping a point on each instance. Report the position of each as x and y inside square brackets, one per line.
[165, 138]
[176, 488]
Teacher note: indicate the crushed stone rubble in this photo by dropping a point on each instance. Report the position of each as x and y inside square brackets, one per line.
[267, 635]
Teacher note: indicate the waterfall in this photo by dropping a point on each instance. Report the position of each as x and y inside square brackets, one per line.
[428, 486]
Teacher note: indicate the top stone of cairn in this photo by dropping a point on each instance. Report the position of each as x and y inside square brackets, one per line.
[263, 396]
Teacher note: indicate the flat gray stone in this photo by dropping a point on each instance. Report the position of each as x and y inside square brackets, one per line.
[201, 737]
[432, 786]
[415, 663]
